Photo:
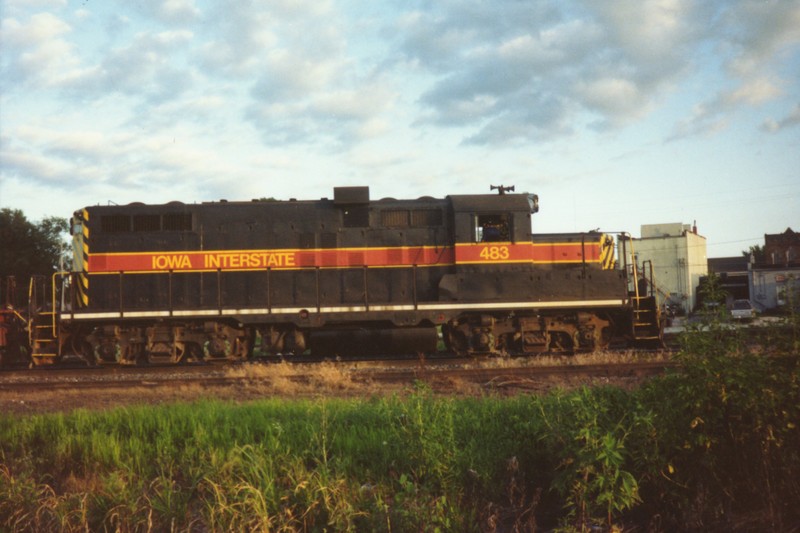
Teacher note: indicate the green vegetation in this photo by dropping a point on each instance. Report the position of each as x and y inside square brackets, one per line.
[715, 445]
[757, 252]
[29, 248]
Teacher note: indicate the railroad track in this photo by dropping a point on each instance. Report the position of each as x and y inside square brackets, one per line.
[407, 372]
[516, 375]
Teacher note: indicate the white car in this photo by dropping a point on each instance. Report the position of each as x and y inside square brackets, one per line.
[743, 310]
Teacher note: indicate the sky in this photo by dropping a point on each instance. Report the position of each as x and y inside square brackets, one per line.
[616, 113]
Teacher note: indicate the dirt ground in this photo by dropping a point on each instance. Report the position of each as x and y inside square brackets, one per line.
[243, 384]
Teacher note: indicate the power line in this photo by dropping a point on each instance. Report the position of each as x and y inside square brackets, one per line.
[734, 242]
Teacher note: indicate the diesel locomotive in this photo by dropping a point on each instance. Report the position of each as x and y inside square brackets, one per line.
[335, 276]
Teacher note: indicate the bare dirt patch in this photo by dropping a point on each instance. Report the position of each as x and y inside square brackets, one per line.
[242, 383]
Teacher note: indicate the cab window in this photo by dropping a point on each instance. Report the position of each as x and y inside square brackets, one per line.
[492, 228]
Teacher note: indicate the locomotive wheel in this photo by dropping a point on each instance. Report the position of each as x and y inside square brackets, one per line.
[561, 343]
[82, 349]
[107, 352]
[455, 340]
[193, 352]
[243, 345]
[294, 343]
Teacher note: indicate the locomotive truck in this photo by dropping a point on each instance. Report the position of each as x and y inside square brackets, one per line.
[335, 276]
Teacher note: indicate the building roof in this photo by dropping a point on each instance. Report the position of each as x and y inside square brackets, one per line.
[718, 265]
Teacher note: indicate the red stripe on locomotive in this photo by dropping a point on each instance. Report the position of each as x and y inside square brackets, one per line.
[275, 259]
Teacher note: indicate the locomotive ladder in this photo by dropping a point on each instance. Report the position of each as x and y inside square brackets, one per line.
[42, 328]
[646, 315]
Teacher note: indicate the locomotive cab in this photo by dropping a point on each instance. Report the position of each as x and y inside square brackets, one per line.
[535, 292]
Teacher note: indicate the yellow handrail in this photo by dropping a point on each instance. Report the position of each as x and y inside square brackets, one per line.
[635, 271]
[54, 307]
[53, 290]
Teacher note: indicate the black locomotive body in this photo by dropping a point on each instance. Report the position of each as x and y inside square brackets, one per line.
[336, 276]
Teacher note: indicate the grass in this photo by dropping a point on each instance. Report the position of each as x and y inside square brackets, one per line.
[712, 445]
[418, 462]
[285, 378]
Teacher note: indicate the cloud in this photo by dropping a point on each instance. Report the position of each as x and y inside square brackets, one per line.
[758, 33]
[649, 34]
[38, 29]
[175, 12]
[31, 167]
[711, 116]
[341, 116]
[243, 35]
[612, 97]
[150, 66]
[13, 5]
[608, 60]
[305, 84]
[535, 117]
[790, 120]
[114, 162]
[753, 92]
[753, 39]
[705, 119]
[310, 71]
[611, 63]
[290, 76]
[43, 54]
[35, 51]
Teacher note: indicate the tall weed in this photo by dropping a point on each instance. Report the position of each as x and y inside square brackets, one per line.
[714, 444]
[728, 444]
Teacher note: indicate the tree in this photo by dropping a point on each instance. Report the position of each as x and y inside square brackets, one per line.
[757, 251]
[28, 248]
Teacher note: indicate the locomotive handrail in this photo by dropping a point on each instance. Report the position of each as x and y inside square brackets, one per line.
[53, 292]
[219, 291]
[319, 302]
[169, 293]
[583, 254]
[269, 290]
[366, 286]
[15, 313]
[34, 313]
[414, 286]
[634, 271]
[121, 295]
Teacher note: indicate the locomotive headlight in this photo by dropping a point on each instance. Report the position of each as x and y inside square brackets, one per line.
[533, 201]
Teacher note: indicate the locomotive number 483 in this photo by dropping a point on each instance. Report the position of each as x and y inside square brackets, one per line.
[494, 253]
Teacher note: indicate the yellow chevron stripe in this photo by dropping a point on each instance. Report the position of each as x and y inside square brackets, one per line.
[83, 285]
[607, 252]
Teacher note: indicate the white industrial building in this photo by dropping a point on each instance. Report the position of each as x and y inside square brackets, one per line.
[678, 257]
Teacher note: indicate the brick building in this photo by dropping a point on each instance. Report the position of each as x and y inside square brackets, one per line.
[775, 280]
[782, 249]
